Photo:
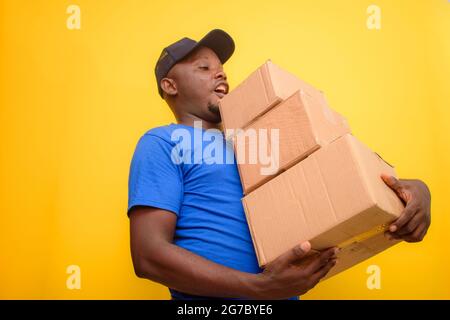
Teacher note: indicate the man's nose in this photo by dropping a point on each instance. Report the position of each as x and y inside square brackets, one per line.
[221, 75]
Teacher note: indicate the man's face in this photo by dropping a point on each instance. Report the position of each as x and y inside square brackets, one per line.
[200, 84]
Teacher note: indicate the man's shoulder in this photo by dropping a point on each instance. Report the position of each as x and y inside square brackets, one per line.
[155, 141]
[163, 133]
[166, 133]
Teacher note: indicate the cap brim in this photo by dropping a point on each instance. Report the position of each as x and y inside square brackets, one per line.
[220, 42]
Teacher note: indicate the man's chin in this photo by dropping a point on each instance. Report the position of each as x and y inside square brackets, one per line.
[214, 110]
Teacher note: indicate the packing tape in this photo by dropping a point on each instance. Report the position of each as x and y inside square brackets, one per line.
[365, 235]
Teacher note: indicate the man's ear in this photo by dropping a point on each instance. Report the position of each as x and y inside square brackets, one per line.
[169, 86]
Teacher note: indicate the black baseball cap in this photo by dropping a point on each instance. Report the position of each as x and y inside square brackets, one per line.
[217, 40]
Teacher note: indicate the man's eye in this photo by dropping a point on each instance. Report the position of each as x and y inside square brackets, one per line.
[204, 67]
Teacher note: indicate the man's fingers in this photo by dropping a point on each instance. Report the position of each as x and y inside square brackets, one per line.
[322, 272]
[410, 226]
[424, 232]
[415, 236]
[321, 260]
[392, 182]
[404, 218]
[392, 236]
[296, 253]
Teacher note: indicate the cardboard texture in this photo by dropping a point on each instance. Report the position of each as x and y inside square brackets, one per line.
[304, 125]
[262, 90]
[334, 197]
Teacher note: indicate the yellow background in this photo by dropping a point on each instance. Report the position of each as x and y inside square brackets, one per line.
[73, 104]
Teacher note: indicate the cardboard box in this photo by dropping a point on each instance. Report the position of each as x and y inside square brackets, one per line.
[335, 197]
[304, 125]
[262, 90]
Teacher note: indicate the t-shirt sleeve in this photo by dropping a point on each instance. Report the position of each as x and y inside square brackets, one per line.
[154, 179]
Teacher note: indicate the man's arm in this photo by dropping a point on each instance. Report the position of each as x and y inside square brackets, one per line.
[156, 258]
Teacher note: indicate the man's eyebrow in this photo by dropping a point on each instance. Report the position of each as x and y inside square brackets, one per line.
[201, 58]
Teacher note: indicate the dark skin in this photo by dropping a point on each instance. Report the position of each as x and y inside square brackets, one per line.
[189, 90]
[413, 223]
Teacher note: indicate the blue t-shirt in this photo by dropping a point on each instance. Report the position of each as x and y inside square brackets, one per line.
[192, 173]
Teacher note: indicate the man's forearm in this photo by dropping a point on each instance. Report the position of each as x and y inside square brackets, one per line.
[187, 272]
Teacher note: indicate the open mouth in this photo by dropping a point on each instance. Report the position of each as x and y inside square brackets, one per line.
[221, 90]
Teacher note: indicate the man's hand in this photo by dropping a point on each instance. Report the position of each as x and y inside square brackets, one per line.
[295, 273]
[413, 223]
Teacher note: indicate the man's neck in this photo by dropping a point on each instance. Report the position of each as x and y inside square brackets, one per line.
[188, 120]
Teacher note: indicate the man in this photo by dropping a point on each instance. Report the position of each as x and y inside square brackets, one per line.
[188, 227]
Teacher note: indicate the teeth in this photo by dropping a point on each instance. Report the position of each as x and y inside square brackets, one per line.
[221, 88]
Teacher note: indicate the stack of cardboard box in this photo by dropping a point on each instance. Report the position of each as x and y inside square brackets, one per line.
[325, 186]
